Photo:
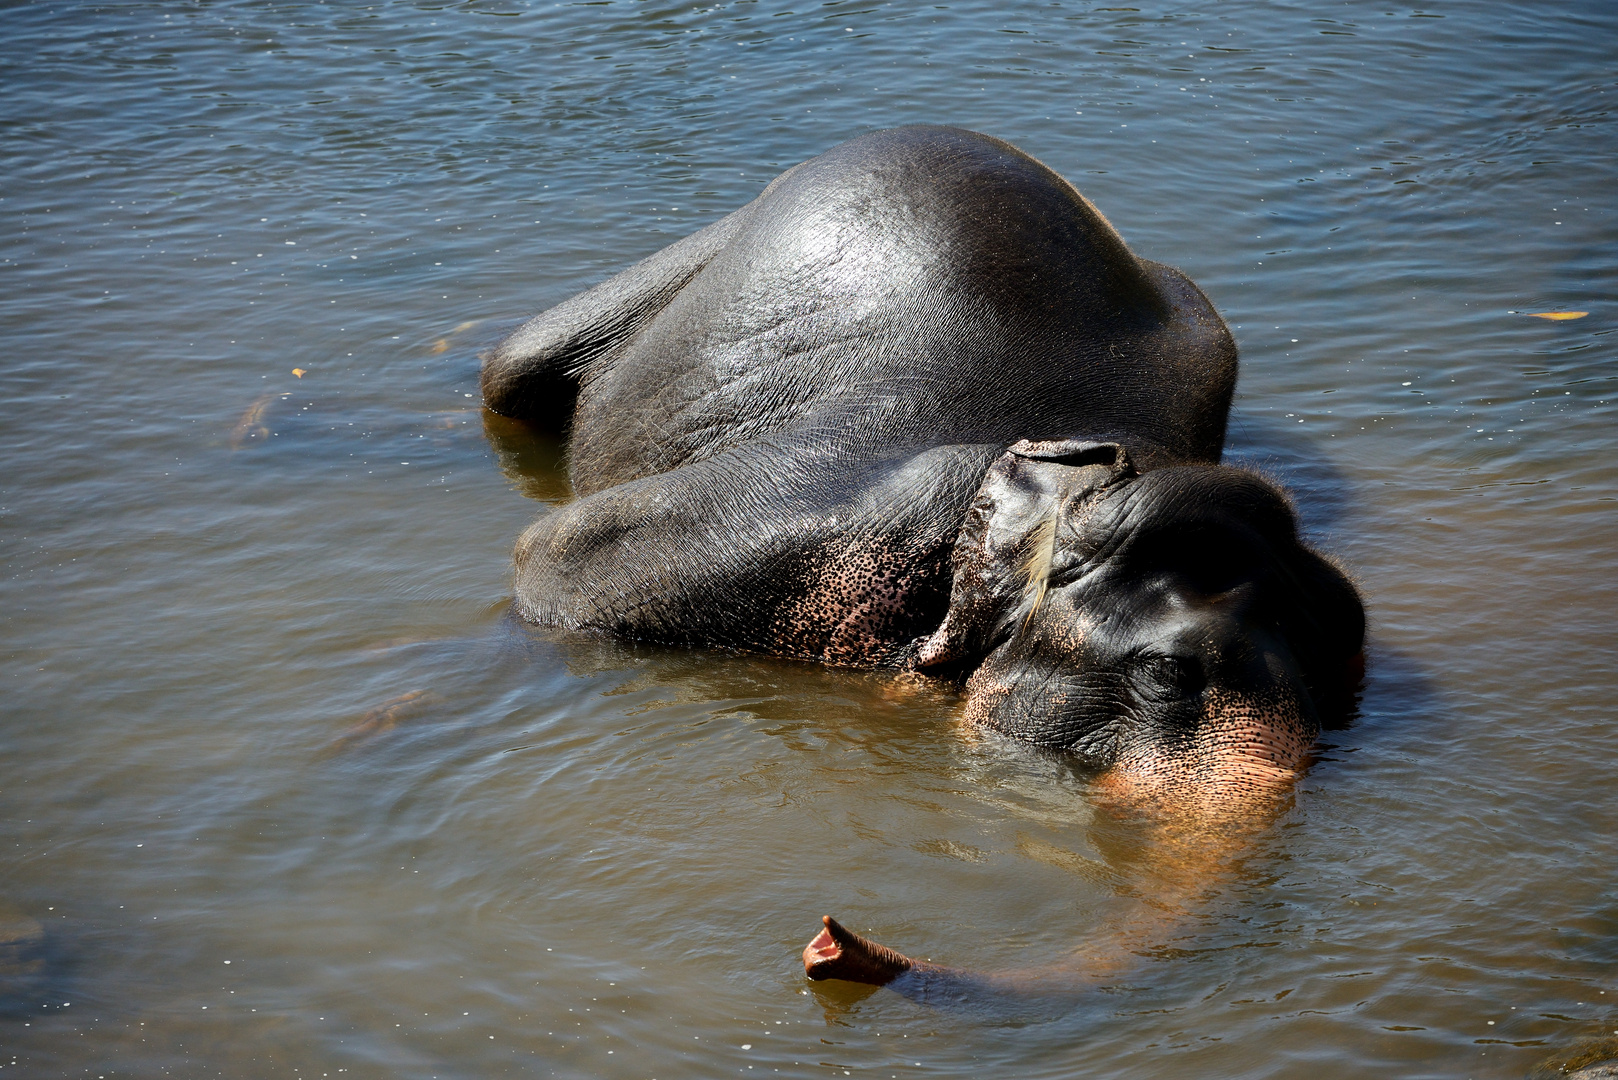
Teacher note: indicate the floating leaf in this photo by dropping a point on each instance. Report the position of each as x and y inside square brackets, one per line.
[1557, 315]
[440, 345]
[298, 371]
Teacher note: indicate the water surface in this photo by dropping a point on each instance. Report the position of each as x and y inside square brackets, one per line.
[285, 792]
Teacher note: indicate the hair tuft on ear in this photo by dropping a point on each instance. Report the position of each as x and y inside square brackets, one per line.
[1007, 549]
[1038, 562]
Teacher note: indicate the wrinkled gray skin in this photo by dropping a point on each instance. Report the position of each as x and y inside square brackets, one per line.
[918, 406]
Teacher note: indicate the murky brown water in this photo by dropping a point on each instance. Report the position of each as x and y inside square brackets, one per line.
[286, 794]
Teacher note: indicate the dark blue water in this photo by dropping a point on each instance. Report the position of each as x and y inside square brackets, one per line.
[283, 793]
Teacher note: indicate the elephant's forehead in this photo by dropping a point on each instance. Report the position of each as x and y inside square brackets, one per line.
[1195, 513]
[1118, 612]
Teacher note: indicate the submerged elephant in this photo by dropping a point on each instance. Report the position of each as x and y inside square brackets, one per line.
[917, 406]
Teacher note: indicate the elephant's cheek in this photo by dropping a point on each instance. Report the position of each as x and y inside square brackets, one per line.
[1244, 752]
[986, 696]
[999, 697]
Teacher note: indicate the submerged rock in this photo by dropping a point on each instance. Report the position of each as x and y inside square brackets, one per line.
[1590, 1059]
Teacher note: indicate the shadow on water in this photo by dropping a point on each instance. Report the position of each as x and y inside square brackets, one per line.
[533, 459]
[1397, 687]
[1322, 491]
[30, 962]
[45, 961]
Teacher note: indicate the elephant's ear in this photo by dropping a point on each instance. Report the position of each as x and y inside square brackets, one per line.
[1325, 625]
[1011, 539]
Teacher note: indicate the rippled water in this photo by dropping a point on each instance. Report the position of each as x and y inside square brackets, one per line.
[286, 793]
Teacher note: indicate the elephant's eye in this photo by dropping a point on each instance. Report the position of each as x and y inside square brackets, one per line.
[1171, 676]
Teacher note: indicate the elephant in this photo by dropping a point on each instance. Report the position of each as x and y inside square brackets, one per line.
[917, 406]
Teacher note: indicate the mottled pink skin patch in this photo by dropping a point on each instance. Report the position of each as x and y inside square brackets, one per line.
[1247, 750]
[859, 608]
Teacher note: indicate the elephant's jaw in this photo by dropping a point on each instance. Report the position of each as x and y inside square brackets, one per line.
[1245, 752]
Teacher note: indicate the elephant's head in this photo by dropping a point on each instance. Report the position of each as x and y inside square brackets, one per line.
[1167, 625]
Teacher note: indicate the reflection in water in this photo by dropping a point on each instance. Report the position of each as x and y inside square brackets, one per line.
[589, 858]
[530, 458]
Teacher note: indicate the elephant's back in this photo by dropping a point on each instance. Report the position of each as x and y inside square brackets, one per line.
[919, 283]
[917, 213]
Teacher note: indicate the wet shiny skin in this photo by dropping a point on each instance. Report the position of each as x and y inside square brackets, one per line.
[651, 836]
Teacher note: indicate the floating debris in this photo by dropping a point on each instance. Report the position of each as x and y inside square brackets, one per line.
[442, 344]
[383, 718]
[251, 425]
